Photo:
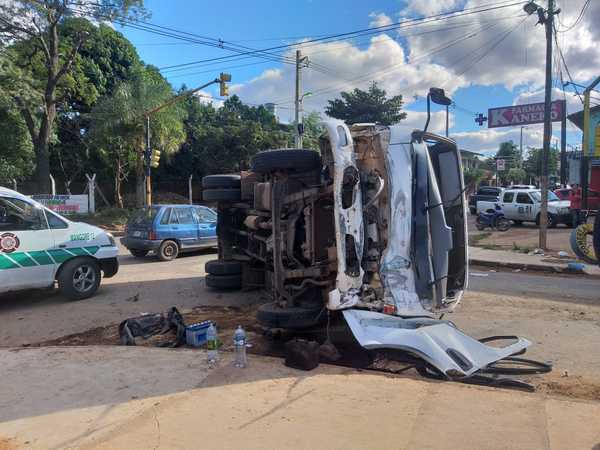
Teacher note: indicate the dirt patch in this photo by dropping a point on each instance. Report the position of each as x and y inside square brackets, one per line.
[569, 386]
[7, 444]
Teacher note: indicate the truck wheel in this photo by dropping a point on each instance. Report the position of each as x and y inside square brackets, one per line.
[79, 278]
[271, 315]
[222, 195]
[551, 220]
[580, 244]
[220, 267]
[224, 281]
[138, 253]
[286, 159]
[221, 181]
[168, 251]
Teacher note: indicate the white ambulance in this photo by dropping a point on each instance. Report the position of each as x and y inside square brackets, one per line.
[39, 247]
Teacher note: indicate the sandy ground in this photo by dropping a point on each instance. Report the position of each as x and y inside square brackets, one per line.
[525, 237]
[156, 398]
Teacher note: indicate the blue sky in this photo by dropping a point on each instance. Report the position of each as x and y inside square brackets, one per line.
[508, 70]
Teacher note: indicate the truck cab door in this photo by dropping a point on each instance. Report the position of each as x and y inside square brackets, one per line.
[26, 242]
[525, 207]
[508, 206]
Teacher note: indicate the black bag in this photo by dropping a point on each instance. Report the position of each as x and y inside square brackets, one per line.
[302, 354]
[148, 325]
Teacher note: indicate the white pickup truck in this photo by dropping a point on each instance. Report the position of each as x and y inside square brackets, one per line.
[523, 205]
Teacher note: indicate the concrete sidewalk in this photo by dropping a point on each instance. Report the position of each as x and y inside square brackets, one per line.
[139, 398]
[515, 260]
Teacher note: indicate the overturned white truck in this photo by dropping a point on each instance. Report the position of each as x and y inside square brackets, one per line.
[372, 225]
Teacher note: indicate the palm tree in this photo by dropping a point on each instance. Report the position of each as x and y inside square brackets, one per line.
[118, 126]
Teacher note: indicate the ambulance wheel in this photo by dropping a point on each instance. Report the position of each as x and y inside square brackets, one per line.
[79, 278]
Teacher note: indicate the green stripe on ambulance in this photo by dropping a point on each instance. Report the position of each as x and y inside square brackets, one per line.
[43, 258]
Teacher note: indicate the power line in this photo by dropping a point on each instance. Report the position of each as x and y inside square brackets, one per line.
[564, 63]
[578, 20]
[405, 23]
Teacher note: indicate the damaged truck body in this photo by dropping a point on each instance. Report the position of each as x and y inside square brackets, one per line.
[372, 225]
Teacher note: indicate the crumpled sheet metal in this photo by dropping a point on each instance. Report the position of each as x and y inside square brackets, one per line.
[438, 342]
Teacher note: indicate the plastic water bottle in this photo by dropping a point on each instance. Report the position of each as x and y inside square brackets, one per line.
[211, 344]
[239, 343]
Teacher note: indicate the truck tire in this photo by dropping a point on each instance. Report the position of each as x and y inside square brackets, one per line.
[271, 315]
[233, 281]
[221, 181]
[597, 237]
[220, 267]
[580, 246]
[79, 278]
[222, 195]
[168, 250]
[551, 220]
[286, 159]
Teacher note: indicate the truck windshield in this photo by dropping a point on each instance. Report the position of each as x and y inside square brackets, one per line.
[537, 196]
[144, 216]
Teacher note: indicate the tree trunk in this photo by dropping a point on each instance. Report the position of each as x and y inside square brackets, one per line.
[118, 178]
[42, 167]
[140, 184]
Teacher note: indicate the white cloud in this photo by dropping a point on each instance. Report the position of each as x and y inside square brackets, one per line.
[429, 7]
[379, 20]
[206, 98]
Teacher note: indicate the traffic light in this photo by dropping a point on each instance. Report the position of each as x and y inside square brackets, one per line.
[223, 88]
[155, 158]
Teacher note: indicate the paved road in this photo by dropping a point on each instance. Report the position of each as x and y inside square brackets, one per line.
[142, 285]
[572, 289]
[148, 285]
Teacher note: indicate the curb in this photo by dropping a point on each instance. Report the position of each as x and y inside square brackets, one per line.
[532, 267]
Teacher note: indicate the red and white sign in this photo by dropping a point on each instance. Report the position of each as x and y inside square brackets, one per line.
[9, 242]
[510, 116]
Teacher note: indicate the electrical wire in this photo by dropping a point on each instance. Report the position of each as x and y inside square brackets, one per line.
[579, 18]
[564, 63]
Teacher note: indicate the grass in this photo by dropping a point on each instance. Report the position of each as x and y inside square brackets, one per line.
[491, 247]
[114, 218]
[474, 239]
[521, 248]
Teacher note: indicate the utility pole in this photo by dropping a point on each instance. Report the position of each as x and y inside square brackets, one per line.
[546, 18]
[521, 147]
[298, 99]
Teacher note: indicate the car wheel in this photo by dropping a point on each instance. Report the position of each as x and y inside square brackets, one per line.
[168, 251]
[233, 281]
[221, 182]
[79, 278]
[219, 267]
[222, 195]
[138, 253]
[286, 159]
[271, 315]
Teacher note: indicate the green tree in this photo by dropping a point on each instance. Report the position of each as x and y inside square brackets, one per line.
[473, 177]
[16, 152]
[118, 126]
[533, 162]
[371, 106]
[516, 175]
[312, 130]
[41, 62]
[510, 154]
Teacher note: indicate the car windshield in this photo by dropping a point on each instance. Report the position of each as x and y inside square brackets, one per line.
[144, 216]
[537, 196]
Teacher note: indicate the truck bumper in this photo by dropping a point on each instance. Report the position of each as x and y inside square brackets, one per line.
[109, 266]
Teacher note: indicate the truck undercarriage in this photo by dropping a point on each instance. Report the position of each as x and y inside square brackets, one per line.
[373, 225]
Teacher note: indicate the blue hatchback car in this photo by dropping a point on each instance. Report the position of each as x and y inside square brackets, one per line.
[168, 230]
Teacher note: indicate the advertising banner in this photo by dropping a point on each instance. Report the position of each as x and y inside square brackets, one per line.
[517, 115]
[64, 204]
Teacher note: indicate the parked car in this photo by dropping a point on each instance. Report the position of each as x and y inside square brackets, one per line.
[593, 197]
[484, 193]
[168, 230]
[39, 247]
[523, 205]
